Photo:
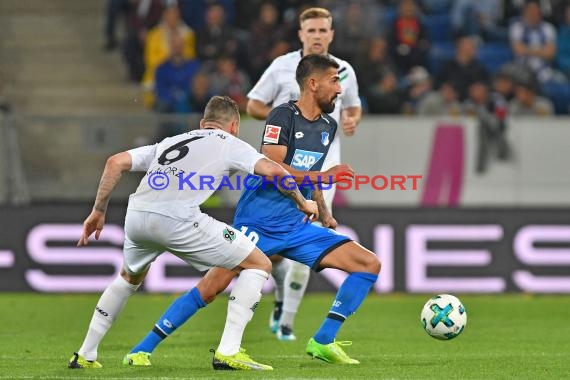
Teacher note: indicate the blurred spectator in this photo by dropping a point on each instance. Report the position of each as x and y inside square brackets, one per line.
[408, 39]
[193, 12]
[244, 15]
[114, 9]
[478, 17]
[174, 78]
[229, 80]
[503, 85]
[515, 8]
[563, 55]
[373, 62]
[435, 7]
[527, 102]
[465, 69]
[357, 21]
[200, 93]
[418, 85]
[533, 42]
[268, 40]
[443, 102]
[142, 15]
[216, 38]
[157, 46]
[384, 96]
[490, 109]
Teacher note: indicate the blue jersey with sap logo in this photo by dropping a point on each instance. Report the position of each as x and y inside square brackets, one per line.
[307, 142]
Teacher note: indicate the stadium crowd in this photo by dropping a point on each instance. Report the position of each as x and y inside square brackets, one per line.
[424, 57]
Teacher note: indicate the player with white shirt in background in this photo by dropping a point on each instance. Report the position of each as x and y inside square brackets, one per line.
[276, 86]
[164, 215]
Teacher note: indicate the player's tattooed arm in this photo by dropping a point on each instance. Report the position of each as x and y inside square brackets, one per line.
[111, 176]
[325, 216]
[112, 173]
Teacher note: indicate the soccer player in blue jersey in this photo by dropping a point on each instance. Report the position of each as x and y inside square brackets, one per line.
[298, 136]
[276, 86]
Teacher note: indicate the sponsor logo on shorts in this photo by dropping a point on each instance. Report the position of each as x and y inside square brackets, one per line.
[229, 235]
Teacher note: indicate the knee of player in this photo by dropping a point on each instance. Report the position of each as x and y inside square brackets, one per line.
[373, 264]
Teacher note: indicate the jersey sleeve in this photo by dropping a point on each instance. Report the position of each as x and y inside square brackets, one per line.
[278, 127]
[142, 157]
[241, 156]
[265, 90]
[350, 96]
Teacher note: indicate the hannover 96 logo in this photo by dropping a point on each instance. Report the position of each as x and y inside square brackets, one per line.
[229, 235]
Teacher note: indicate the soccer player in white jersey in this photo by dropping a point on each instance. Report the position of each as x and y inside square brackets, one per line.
[276, 86]
[164, 215]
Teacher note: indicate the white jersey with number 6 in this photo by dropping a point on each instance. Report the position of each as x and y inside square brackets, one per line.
[183, 171]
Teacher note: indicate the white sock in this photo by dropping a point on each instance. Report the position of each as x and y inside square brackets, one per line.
[243, 301]
[296, 283]
[279, 272]
[112, 301]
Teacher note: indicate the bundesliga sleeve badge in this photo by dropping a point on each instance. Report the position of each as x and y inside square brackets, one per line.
[271, 135]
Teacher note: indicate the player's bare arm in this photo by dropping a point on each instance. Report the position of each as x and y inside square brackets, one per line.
[287, 186]
[114, 168]
[325, 215]
[277, 153]
[257, 109]
[350, 117]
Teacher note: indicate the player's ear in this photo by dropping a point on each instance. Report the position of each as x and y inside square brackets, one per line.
[312, 82]
[234, 127]
[202, 123]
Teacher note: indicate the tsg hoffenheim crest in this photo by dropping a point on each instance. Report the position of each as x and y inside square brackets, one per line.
[325, 138]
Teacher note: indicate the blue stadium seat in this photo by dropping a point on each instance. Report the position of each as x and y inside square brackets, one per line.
[495, 55]
[439, 53]
[439, 27]
[559, 94]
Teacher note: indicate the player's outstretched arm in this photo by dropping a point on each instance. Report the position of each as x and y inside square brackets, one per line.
[287, 186]
[114, 168]
[257, 109]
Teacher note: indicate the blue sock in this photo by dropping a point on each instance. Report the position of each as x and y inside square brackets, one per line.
[348, 298]
[177, 313]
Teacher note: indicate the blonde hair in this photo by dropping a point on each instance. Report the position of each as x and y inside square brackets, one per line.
[312, 13]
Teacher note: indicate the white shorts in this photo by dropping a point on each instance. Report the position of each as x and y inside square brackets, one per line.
[203, 242]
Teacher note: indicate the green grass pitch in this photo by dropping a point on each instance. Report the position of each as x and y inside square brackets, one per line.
[507, 337]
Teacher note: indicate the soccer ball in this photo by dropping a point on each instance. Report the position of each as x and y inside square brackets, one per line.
[444, 317]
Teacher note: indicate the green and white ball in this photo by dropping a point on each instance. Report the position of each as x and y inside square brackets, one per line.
[444, 317]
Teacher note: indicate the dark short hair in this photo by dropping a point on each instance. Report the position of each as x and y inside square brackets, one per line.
[312, 63]
[221, 109]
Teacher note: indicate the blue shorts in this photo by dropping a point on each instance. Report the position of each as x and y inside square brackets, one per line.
[306, 243]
